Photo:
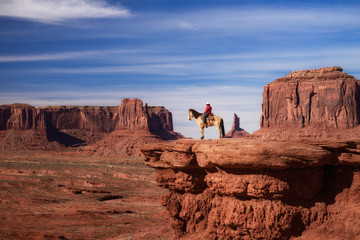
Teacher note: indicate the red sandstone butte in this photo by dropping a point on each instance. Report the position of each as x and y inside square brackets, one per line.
[318, 103]
[236, 131]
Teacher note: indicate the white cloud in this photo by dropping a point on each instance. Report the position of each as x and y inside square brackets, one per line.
[54, 11]
[186, 25]
[161, 69]
[249, 21]
[236, 66]
[53, 56]
[46, 57]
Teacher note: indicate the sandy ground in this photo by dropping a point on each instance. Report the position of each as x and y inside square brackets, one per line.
[73, 196]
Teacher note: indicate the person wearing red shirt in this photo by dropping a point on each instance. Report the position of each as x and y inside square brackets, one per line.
[207, 112]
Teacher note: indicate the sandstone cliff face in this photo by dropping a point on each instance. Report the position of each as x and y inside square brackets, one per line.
[18, 117]
[81, 125]
[325, 99]
[236, 131]
[132, 115]
[161, 123]
[256, 189]
[88, 118]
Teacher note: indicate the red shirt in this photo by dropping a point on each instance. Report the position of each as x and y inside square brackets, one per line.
[208, 109]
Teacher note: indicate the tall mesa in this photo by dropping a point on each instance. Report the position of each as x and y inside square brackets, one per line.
[318, 103]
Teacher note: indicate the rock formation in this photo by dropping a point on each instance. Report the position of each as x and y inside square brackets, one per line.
[236, 131]
[82, 125]
[298, 177]
[318, 103]
[257, 189]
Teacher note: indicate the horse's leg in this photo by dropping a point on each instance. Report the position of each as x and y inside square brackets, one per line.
[201, 126]
[219, 129]
[202, 131]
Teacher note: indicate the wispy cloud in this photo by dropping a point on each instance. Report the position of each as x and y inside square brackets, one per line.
[186, 25]
[250, 20]
[158, 58]
[201, 66]
[54, 11]
[47, 57]
[162, 69]
[96, 54]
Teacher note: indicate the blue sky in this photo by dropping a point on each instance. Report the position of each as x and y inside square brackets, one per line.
[178, 54]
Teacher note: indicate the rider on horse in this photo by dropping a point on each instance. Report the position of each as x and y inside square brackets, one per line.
[207, 112]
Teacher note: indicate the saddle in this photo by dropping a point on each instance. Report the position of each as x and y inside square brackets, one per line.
[209, 118]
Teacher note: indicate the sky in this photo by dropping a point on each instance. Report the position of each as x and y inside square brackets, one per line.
[176, 54]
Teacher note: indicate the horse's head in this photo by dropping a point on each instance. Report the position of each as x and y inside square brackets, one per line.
[190, 114]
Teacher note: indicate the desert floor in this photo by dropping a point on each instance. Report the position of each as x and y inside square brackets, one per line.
[72, 196]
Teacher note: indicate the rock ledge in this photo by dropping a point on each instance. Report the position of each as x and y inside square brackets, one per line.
[257, 189]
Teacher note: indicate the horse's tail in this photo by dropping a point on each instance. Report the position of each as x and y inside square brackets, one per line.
[222, 128]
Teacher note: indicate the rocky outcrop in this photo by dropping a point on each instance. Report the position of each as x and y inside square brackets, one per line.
[319, 103]
[236, 131]
[81, 125]
[257, 189]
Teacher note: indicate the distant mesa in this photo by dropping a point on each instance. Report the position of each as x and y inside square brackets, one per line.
[23, 126]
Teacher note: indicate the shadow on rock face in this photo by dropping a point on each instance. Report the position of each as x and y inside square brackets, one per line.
[64, 139]
[335, 180]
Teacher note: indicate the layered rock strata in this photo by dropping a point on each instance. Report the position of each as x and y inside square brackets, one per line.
[80, 125]
[131, 114]
[317, 103]
[256, 189]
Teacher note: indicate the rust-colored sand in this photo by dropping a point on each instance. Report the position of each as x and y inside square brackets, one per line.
[74, 196]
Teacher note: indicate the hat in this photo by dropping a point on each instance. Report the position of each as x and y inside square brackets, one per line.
[207, 103]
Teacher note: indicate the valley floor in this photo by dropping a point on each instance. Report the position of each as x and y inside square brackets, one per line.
[73, 196]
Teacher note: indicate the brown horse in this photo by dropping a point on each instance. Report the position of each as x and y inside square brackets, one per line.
[212, 120]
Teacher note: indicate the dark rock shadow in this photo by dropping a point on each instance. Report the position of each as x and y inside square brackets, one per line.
[335, 180]
[64, 139]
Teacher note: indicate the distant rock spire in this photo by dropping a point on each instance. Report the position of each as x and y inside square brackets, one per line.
[236, 131]
[236, 122]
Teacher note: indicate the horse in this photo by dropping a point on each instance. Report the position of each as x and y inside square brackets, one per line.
[212, 120]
